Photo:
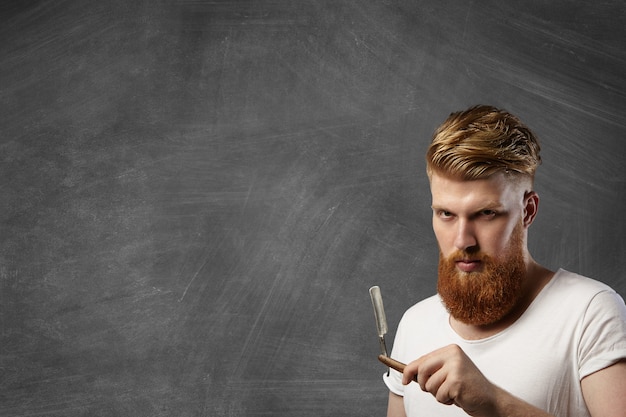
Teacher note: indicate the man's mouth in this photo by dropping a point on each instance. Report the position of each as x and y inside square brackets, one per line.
[468, 265]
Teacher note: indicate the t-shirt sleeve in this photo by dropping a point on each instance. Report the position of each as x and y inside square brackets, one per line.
[603, 333]
[394, 382]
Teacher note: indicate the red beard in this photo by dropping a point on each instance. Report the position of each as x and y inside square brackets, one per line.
[484, 297]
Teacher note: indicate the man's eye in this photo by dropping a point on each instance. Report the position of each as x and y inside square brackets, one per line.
[445, 214]
[488, 213]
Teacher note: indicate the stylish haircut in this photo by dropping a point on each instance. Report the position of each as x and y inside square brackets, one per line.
[481, 141]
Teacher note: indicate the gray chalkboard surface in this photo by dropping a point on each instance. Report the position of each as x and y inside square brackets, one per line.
[197, 195]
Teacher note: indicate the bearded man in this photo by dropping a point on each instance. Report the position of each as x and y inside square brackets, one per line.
[504, 336]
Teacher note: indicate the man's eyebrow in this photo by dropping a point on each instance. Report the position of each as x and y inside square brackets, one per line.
[491, 205]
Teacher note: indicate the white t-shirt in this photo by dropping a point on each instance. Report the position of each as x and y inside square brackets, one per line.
[574, 327]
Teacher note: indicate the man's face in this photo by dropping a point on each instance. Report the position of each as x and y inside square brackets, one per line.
[482, 240]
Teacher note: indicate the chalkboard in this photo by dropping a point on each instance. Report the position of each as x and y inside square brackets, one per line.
[197, 195]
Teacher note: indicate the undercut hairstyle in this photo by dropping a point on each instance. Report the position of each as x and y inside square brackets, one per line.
[481, 141]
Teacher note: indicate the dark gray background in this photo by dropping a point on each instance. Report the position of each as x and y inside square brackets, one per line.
[197, 195]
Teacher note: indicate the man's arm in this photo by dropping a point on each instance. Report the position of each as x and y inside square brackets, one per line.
[395, 407]
[605, 391]
[452, 378]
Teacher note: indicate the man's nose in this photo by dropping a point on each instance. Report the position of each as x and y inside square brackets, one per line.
[465, 237]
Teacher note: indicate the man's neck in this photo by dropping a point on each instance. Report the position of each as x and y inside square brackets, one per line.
[537, 277]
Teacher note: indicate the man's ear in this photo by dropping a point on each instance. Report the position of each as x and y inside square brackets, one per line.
[531, 206]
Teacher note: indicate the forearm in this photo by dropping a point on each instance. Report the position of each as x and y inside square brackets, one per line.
[395, 407]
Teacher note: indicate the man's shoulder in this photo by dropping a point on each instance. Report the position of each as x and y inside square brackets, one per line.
[428, 306]
[578, 292]
[425, 317]
[570, 282]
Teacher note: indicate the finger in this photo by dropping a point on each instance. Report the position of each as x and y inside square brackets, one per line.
[432, 383]
[410, 373]
[435, 385]
[408, 376]
[443, 394]
[430, 375]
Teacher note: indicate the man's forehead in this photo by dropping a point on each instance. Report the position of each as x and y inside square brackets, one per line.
[491, 192]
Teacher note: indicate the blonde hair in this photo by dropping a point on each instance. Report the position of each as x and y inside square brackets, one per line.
[481, 141]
